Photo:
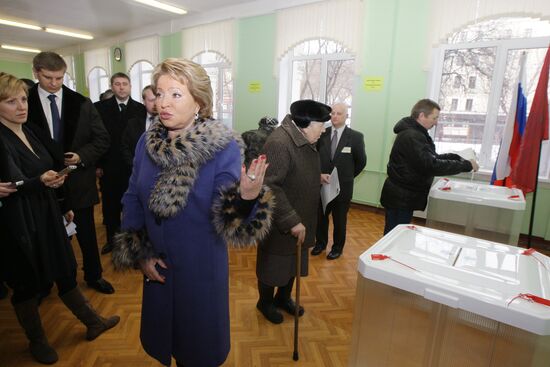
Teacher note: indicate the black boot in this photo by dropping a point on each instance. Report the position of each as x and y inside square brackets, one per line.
[265, 304]
[29, 319]
[283, 300]
[81, 308]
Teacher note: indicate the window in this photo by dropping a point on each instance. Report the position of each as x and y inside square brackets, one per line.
[321, 70]
[454, 104]
[469, 103]
[486, 57]
[98, 82]
[219, 71]
[472, 82]
[140, 77]
[458, 81]
[69, 82]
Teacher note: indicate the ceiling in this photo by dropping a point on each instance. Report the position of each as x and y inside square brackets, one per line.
[101, 18]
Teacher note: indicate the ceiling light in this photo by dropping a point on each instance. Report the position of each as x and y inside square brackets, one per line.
[159, 5]
[19, 24]
[69, 34]
[18, 48]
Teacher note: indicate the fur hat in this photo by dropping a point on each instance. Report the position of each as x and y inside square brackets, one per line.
[305, 111]
[268, 123]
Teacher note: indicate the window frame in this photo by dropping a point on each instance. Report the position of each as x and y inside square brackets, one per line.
[140, 73]
[286, 67]
[221, 67]
[502, 48]
[106, 76]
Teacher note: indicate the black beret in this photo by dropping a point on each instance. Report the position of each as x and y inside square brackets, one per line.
[305, 111]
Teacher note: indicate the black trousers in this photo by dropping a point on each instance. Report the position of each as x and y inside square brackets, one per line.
[22, 292]
[87, 239]
[339, 211]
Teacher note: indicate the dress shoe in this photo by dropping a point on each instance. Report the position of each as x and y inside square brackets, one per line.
[107, 248]
[101, 285]
[334, 254]
[270, 312]
[289, 306]
[317, 249]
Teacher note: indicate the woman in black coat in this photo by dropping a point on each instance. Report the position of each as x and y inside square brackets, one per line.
[34, 244]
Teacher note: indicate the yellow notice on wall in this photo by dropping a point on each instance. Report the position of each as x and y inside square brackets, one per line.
[373, 83]
[255, 87]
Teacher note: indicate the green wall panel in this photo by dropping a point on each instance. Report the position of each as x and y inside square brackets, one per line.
[255, 88]
[16, 68]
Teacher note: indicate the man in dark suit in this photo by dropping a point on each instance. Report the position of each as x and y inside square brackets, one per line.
[343, 148]
[136, 127]
[69, 125]
[116, 112]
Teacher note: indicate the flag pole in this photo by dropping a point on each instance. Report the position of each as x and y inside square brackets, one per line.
[532, 219]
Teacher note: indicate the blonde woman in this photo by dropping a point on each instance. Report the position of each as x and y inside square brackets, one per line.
[189, 195]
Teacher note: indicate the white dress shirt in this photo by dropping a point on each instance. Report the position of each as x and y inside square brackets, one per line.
[46, 106]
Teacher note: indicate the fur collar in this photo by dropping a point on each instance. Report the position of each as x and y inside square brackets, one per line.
[180, 159]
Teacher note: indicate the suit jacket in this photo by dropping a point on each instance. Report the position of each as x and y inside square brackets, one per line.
[350, 158]
[83, 133]
[115, 168]
[130, 138]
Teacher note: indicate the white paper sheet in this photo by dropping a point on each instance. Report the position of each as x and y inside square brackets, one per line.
[70, 228]
[331, 190]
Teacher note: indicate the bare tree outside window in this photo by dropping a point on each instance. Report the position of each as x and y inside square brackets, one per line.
[322, 70]
[477, 74]
[219, 71]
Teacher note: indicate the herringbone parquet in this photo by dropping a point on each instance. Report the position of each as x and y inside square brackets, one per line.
[325, 330]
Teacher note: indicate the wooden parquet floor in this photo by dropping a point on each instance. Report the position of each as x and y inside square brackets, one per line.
[327, 294]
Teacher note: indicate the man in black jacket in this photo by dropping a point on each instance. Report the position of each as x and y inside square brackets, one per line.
[343, 148]
[116, 112]
[414, 163]
[137, 127]
[70, 127]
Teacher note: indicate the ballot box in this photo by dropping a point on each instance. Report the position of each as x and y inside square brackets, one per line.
[475, 209]
[429, 298]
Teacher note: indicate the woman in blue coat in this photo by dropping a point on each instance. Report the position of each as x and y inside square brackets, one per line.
[188, 196]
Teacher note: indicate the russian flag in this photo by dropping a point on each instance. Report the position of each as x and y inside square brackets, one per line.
[513, 132]
[526, 168]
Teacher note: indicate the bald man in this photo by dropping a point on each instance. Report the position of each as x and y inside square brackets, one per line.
[343, 148]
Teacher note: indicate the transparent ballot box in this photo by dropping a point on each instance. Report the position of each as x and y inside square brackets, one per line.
[479, 210]
[429, 298]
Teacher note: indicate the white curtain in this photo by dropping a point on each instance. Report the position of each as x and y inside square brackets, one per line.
[97, 58]
[449, 16]
[69, 60]
[337, 20]
[143, 49]
[209, 37]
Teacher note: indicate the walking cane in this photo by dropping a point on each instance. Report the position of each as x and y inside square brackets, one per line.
[297, 311]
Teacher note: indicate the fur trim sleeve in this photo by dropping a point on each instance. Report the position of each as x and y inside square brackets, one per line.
[236, 230]
[129, 248]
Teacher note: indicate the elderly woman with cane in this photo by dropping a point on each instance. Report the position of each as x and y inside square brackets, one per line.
[294, 177]
[188, 196]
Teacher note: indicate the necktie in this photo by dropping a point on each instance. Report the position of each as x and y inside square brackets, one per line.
[333, 144]
[122, 107]
[56, 119]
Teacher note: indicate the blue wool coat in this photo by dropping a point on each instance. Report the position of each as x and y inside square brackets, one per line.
[188, 316]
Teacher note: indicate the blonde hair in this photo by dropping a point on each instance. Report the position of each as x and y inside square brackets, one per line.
[10, 86]
[191, 75]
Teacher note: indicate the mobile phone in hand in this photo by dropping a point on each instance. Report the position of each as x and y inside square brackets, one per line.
[66, 170]
[16, 184]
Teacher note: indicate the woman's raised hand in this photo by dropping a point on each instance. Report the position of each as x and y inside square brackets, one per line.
[252, 181]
